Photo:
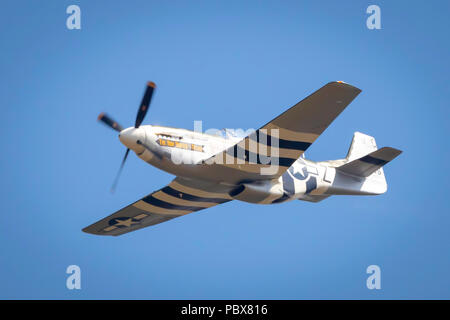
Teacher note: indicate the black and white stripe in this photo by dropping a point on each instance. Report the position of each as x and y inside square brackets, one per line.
[261, 148]
[178, 198]
[284, 139]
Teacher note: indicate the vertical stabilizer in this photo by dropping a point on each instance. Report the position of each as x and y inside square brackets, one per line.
[362, 144]
[365, 162]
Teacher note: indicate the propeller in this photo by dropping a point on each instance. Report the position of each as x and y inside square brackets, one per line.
[142, 111]
[103, 117]
[145, 103]
[113, 187]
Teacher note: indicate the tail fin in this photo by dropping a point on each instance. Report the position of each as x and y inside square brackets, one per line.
[368, 164]
[362, 144]
[366, 161]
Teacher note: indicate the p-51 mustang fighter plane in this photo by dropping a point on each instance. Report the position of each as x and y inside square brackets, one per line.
[265, 167]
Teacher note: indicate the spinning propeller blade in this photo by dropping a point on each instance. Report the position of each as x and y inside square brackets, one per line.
[142, 111]
[103, 117]
[145, 103]
[113, 188]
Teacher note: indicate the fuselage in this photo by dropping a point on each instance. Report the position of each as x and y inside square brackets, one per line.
[182, 153]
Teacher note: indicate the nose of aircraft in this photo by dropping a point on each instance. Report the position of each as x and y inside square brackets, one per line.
[130, 137]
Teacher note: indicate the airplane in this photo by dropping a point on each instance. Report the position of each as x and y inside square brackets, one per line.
[267, 166]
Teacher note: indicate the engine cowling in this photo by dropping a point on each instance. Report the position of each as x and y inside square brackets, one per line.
[257, 192]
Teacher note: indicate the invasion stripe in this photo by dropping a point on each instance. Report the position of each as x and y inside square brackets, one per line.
[186, 196]
[372, 160]
[254, 169]
[243, 154]
[180, 201]
[200, 192]
[142, 205]
[290, 134]
[267, 151]
[266, 139]
[283, 198]
[159, 203]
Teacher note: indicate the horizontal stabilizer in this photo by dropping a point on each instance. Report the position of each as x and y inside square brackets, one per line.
[370, 163]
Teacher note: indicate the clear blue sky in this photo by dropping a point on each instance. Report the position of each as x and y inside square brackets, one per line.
[234, 64]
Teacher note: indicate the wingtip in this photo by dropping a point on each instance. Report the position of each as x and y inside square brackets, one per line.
[86, 229]
[100, 116]
[398, 151]
[343, 83]
[89, 230]
[392, 152]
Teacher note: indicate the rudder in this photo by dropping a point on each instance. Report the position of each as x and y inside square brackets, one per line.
[362, 144]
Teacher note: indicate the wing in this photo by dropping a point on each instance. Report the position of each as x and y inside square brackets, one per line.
[180, 197]
[314, 198]
[271, 150]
